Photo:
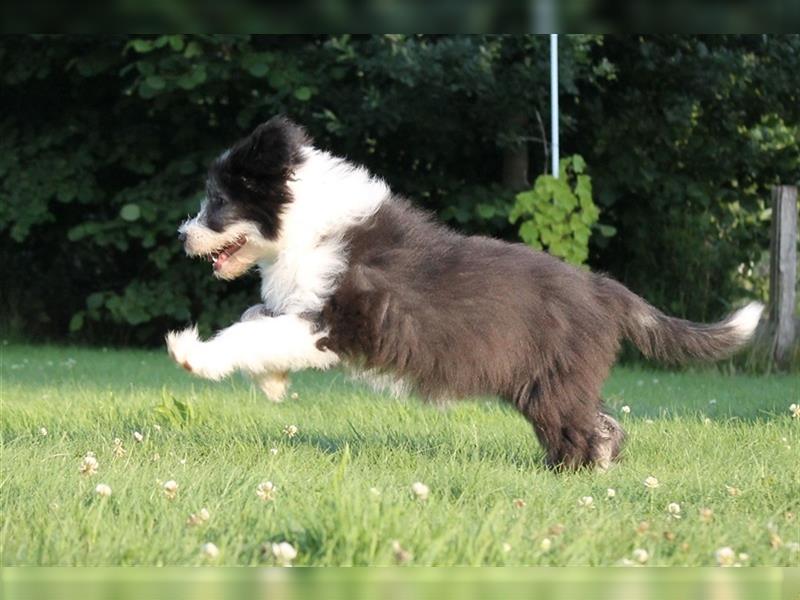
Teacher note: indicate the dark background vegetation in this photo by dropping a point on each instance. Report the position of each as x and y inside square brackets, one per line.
[104, 141]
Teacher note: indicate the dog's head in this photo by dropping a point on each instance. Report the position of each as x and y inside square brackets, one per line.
[246, 193]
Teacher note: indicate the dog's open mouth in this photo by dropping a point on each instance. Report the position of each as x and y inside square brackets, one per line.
[218, 257]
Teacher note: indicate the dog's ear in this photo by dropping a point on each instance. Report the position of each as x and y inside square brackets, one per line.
[273, 148]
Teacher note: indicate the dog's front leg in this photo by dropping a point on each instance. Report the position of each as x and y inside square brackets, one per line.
[272, 383]
[283, 343]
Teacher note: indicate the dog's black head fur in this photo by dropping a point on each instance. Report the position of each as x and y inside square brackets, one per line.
[248, 181]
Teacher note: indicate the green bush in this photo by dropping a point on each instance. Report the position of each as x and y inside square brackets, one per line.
[559, 213]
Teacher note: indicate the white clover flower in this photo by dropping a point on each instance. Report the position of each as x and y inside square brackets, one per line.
[712, 401]
[118, 450]
[706, 421]
[210, 550]
[290, 431]
[794, 409]
[89, 464]
[674, 510]
[420, 490]
[626, 409]
[733, 491]
[266, 491]
[170, 489]
[42, 431]
[294, 395]
[611, 493]
[641, 555]
[103, 490]
[138, 437]
[284, 553]
[586, 502]
[775, 540]
[401, 555]
[545, 544]
[156, 457]
[706, 515]
[157, 427]
[506, 547]
[651, 483]
[273, 451]
[374, 491]
[725, 556]
[202, 516]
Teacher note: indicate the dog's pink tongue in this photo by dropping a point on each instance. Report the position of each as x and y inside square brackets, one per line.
[227, 252]
[223, 256]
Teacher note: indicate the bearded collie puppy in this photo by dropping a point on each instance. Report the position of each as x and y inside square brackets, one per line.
[353, 274]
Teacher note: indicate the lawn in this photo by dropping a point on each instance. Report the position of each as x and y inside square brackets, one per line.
[724, 448]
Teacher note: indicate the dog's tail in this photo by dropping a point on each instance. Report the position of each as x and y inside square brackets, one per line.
[669, 339]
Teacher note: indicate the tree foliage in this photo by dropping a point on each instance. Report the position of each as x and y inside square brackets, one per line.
[104, 142]
[684, 146]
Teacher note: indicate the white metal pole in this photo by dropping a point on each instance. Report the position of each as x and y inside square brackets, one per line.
[554, 100]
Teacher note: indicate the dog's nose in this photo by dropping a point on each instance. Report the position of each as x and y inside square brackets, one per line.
[182, 236]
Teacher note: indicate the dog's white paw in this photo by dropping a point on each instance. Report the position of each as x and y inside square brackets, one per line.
[180, 345]
[274, 385]
[186, 349]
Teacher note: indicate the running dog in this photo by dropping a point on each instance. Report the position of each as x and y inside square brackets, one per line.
[355, 274]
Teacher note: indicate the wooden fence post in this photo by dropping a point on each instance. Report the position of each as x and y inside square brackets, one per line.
[783, 271]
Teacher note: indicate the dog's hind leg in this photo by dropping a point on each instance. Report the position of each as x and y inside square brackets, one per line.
[570, 425]
[607, 441]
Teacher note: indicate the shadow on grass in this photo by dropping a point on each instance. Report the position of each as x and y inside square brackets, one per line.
[525, 456]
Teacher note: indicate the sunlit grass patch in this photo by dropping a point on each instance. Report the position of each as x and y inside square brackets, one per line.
[340, 476]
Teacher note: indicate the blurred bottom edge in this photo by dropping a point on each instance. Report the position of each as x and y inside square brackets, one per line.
[462, 583]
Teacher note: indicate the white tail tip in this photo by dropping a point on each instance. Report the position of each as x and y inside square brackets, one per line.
[745, 320]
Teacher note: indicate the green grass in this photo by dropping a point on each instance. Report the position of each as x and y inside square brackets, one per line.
[477, 457]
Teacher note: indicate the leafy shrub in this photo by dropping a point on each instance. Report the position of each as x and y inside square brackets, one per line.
[558, 213]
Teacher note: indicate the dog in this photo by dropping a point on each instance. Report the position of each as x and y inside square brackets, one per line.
[354, 274]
